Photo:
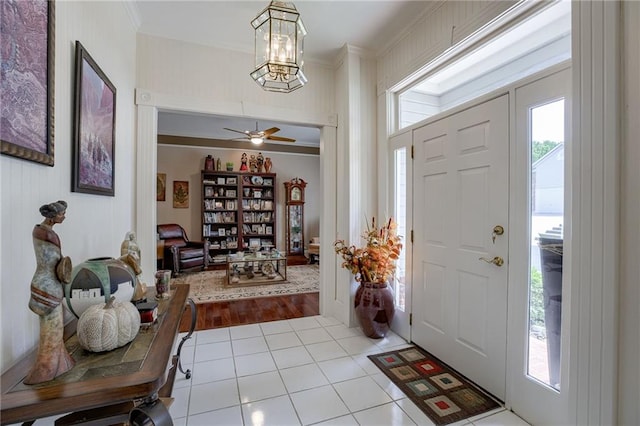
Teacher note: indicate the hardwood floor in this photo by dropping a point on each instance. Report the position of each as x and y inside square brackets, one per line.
[251, 311]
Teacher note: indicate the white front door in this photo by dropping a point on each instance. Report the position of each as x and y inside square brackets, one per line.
[461, 187]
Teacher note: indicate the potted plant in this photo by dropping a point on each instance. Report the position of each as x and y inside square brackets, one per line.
[373, 265]
[229, 166]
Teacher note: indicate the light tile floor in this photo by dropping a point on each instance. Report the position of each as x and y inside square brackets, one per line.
[304, 371]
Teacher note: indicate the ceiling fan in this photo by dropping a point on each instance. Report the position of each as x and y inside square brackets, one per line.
[258, 136]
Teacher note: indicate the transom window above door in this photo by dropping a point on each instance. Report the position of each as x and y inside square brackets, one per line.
[529, 46]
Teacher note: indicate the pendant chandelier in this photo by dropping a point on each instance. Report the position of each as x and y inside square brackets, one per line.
[279, 46]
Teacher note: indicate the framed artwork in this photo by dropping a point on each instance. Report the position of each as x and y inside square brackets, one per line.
[180, 194]
[94, 128]
[27, 83]
[161, 187]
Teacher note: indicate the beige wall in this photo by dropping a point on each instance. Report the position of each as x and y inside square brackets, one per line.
[186, 163]
[95, 225]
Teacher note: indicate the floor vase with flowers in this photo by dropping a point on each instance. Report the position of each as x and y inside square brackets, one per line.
[374, 307]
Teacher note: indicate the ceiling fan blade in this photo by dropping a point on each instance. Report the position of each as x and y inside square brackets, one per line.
[237, 131]
[280, 138]
[270, 131]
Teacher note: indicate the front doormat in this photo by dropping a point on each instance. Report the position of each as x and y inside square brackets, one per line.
[439, 391]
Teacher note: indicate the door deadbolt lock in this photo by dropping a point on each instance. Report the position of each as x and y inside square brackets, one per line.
[497, 230]
[498, 261]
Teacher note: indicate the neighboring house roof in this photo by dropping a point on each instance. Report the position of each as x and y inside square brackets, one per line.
[548, 155]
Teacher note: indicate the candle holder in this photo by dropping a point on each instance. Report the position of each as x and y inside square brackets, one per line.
[163, 280]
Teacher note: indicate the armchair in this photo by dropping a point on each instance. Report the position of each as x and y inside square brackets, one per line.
[180, 254]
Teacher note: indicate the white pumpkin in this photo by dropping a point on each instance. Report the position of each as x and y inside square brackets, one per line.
[108, 326]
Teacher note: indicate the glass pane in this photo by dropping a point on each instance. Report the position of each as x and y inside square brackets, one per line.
[546, 236]
[400, 215]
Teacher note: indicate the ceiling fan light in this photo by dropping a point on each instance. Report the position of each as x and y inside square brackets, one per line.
[256, 140]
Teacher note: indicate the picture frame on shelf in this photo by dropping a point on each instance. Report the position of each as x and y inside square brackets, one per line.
[221, 181]
[268, 230]
[231, 181]
[231, 193]
[208, 191]
[94, 128]
[267, 182]
[222, 232]
[257, 194]
[254, 243]
[27, 130]
[246, 180]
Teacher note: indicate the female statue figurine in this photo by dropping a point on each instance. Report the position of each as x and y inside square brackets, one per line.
[243, 162]
[52, 271]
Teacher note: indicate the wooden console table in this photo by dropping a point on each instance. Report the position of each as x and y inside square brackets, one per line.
[104, 388]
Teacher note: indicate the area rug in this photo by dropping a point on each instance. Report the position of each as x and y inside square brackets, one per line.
[210, 286]
[440, 392]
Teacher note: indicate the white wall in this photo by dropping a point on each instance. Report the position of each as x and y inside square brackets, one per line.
[186, 163]
[629, 309]
[95, 225]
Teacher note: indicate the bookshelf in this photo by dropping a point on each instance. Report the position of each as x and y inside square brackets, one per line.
[238, 212]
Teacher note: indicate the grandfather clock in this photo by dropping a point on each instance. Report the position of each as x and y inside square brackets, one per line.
[294, 212]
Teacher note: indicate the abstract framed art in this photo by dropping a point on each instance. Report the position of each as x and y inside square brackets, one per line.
[27, 31]
[94, 128]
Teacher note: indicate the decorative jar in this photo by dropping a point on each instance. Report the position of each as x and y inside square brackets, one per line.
[94, 281]
[374, 307]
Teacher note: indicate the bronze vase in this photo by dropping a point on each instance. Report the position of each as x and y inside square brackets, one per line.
[375, 308]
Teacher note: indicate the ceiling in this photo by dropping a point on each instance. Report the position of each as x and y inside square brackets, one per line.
[370, 25]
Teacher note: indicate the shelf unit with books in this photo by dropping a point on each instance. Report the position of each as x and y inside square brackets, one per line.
[238, 212]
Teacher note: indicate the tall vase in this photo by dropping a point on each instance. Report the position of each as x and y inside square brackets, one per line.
[375, 308]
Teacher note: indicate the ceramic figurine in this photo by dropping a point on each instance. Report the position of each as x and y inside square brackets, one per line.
[243, 163]
[47, 291]
[267, 164]
[253, 164]
[260, 162]
[130, 246]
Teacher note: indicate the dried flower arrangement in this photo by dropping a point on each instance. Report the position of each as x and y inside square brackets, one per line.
[376, 261]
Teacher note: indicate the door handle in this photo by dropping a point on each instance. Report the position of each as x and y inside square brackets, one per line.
[498, 261]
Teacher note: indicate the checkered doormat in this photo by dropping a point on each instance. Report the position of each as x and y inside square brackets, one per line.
[439, 391]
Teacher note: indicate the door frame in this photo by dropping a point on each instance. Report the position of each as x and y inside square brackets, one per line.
[401, 324]
[519, 243]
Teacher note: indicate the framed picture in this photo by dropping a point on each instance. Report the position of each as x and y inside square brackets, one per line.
[161, 187]
[180, 194]
[94, 128]
[231, 181]
[231, 193]
[27, 83]
[254, 242]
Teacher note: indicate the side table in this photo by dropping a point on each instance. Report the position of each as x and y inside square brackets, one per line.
[109, 387]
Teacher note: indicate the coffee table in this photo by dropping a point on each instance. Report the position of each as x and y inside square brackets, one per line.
[256, 268]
